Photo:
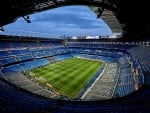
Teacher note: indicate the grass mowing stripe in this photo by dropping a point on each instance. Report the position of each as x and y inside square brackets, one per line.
[82, 79]
[60, 85]
[49, 72]
[59, 71]
[66, 64]
[49, 69]
[68, 77]
[67, 68]
[61, 65]
[63, 72]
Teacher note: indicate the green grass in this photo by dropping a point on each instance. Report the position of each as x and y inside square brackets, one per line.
[67, 77]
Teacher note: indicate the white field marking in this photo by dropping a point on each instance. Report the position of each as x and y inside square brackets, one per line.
[89, 89]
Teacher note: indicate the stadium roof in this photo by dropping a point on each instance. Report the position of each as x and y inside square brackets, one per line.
[132, 15]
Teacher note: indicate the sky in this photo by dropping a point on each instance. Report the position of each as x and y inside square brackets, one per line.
[63, 21]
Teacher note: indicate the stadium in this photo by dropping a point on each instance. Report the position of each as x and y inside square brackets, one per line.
[63, 75]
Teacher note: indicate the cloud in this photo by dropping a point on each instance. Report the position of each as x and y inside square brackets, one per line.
[70, 20]
[80, 16]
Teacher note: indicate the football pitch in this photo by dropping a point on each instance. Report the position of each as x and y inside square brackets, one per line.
[67, 77]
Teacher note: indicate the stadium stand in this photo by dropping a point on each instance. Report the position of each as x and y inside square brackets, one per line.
[126, 66]
[31, 64]
[25, 57]
[141, 54]
[131, 54]
[14, 100]
[63, 57]
[104, 87]
[125, 82]
[12, 68]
